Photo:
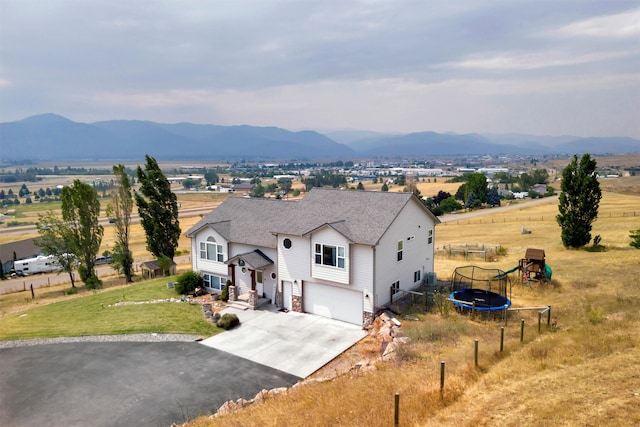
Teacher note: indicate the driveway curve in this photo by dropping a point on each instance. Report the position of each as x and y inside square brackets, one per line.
[123, 383]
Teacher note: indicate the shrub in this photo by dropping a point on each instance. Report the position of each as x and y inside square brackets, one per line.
[92, 282]
[188, 282]
[71, 291]
[228, 321]
[224, 296]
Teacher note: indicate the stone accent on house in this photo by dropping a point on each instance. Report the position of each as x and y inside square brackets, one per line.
[296, 303]
[279, 298]
[233, 294]
[253, 300]
[367, 320]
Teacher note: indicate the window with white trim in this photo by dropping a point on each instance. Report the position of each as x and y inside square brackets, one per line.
[400, 246]
[211, 250]
[416, 276]
[430, 237]
[258, 276]
[214, 282]
[333, 256]
[395, 287]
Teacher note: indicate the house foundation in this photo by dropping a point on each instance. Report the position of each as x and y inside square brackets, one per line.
[367, 320]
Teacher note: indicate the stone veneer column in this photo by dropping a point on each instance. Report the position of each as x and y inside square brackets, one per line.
[367, 319]
[253, 299]
[296, 303]
[233, 296]
[278, 297]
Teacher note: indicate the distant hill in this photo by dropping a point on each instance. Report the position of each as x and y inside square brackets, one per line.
[53, 137]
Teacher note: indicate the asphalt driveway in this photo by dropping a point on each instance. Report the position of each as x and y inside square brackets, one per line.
[296, 343]
[124, 383]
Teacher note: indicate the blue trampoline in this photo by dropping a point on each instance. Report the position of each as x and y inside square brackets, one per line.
[484, 300]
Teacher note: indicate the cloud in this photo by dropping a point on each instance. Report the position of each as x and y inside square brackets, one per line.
[530, 61]
[620, 25]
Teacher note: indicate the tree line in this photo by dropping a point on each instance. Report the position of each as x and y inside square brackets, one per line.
[74, 238]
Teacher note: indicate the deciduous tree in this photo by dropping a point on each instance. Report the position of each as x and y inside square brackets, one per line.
[56, 239]
[120, 213]
[80, 212]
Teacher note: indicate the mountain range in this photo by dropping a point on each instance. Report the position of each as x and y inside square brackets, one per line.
[53, 137]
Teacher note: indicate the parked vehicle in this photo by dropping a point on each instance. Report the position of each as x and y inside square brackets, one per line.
[38, 264]
[103, 260]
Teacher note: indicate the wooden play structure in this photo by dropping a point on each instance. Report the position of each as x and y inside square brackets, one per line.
[533, 266]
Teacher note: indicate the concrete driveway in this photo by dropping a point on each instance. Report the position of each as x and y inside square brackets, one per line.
[123, 383]
[296, 343]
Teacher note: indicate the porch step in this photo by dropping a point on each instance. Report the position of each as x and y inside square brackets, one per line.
[239, 305]
[244, 305]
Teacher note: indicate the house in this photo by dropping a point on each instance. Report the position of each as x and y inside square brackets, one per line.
[336, 253]
[151, 269]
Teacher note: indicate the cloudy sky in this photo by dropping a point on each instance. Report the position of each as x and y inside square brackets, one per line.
[545, 67]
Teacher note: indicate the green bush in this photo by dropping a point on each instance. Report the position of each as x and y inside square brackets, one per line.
[224, 296]
[228, 321]
[188, 282]
[71, 291]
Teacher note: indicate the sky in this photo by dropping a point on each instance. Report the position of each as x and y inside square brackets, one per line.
[542, 67]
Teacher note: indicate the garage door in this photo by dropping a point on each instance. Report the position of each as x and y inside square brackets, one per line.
[335, 303]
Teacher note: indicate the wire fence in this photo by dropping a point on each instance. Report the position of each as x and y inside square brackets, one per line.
[531, 218]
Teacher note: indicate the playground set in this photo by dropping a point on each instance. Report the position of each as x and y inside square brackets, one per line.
[489, 289]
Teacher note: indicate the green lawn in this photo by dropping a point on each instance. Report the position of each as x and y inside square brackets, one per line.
[96, 314]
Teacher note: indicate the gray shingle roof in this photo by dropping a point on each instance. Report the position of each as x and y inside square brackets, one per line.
[361, 216]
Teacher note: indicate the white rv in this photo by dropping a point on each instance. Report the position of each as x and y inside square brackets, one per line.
[39, 264]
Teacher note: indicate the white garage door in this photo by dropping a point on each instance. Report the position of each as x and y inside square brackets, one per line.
[335, 303]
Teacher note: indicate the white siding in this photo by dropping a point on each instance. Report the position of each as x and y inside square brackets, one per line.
[205, 265]
[328, 236]
[411, 226]
[362, 273]
[294, 263]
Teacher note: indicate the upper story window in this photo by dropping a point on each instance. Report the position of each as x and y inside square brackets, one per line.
[400, 247]
[329, 255]
[430, 237]
[211, 250]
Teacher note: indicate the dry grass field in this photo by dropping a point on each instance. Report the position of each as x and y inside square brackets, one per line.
[585, 372]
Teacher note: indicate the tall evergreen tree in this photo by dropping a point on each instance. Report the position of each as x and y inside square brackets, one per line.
[120, 213]
[579, 201]
[158, 209]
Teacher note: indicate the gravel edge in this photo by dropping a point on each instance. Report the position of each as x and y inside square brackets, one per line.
[153, 337]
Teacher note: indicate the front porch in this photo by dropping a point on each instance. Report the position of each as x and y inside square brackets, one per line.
[247, 301]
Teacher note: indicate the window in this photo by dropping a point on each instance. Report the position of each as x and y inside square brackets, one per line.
[329, 255]
[395, 287]
[430, 237]
[214, 282]
[416, 276]
[211, 250]
[400, 246]
[258, 276]
[286, 243]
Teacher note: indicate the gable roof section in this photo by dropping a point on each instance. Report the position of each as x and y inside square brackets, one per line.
[246, 220]
[254, 259]
[360, 216]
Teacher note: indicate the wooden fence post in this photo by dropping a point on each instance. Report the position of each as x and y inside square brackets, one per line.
[475, 353]
[441, 379]
[522, 330]
[501, 338]
[396, 414]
